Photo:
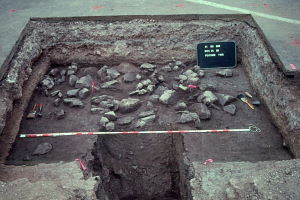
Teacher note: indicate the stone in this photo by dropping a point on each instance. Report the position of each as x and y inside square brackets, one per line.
[207, 98]
[161, 78]
[105, 101]
[146, 113]
[113, 73]
[189, 73]
[98, 110]
[110, 126]
[129, 77]
[31, 115]
[109, 84]
[73, 67]
[149, 105]
[154, 98]
[178, 63]
[74, 102]
[188, 117]
[111, 115]
[103, 121]
[84, 82]
[63, 72]
[141, 123]
[166, 97]
[166, 68]
[72, 93]
[125, 120]
[150, 88]
[225, 73]
[54, 93]
[54, 72]
[160, 90]
[57, 102]
[182, 87]
[83, 93]
[146, 82]
[175, 68]
[196, 68]
[207, 86]
[129, 105]
[201, 73]
[101, 73]
[148, 67]
[70, 72]
[60, 95]
[42, 149]
[198, 124]
[256, 103]
[72, 80]
[201, 109]
[182, 78]
[180, 106]
[138, 92]
[60, 114]
[231, 109]
[225, 99]
[139, 86]
[138, 77]
[48, 83]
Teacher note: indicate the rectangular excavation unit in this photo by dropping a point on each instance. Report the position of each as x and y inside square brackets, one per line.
[139, 73]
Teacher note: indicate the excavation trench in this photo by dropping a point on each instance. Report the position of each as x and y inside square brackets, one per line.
[111, 54]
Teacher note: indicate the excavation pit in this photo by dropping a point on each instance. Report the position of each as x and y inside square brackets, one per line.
[151, 55]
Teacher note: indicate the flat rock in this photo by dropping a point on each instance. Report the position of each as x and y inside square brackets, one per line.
[74, 102]
[103, 121]
[125, 120]
[138, 92]
[111, 115]
[72, 93]
[146, 113]
[110, 126]
[231, 109]
[98, 110]
[48, 83]
[207, 86]
[180, 106]
[101, 73]
[166, 68]
[54, 72]
[109, 84]
[225, 73]
[129, 77]
[207, 97]
[201, 109]
[42, 149]
[225, 99]
[84, 82]
[129, 105]
[160, 90]
[72, 80]
[188, 117]
[55, 93]
[31, 115]
[57, 102]
[141, 123]
[60, 114]
[83, 93]
[112, 73]
[166, 97]
[148, 67]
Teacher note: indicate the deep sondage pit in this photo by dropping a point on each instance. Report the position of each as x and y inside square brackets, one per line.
[163, 54]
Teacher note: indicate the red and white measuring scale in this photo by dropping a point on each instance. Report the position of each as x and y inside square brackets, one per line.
[251, 128]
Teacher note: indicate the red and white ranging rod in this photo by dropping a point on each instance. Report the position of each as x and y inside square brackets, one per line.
[251, 128]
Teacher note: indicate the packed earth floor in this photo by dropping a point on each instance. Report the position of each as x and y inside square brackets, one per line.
[132, 97]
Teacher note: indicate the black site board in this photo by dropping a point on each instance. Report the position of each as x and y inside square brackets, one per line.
[211, 55]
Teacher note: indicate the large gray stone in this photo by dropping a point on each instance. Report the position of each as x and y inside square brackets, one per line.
[180, 106]
[74, 102]
[231, 109]
[72, 80]
[224, 98]
[141, 123]
[84, 82]
[207, 97]
[72, 93]
[102, 72]
[167, 96]
[125, 120]
[47, 83]
[109, 84]
[113, 73]
[111, 115]
[83, 93]
[201, 109]
[188, 117]
[148, 67]
[42, 149]
[129, 105]
[129, 77]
